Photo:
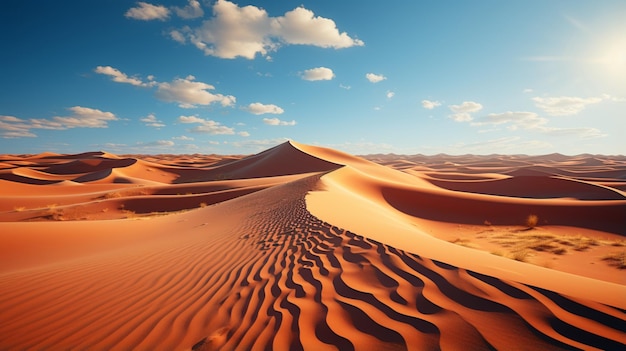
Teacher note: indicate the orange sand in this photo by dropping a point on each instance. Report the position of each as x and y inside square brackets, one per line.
[306, 248]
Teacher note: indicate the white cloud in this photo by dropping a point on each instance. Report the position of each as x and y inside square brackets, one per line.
[13, 127]
[189, 93]
[533, 122]
[258, 108]
[527, 91]
[579, 133]
[246, 31]
[429, 105]
[319, 73]
[192, 10]
[151, 121]
[183, 138]
[300, 26]
[147, 12]
[390, 94]
[564, 105]
[162, 143]
[515, 120]
[463, 112]
[375, 78]
[347, 87]
[178, 36]
[120, 77]
[243, 134]
[81, 117]
[206, 125]
[278, 122]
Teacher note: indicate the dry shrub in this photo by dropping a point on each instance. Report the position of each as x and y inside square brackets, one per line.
[531, 221]
[616, 259]
[465, 242]
[520, 255]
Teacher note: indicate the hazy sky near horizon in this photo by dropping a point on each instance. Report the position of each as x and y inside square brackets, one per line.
[189, 76]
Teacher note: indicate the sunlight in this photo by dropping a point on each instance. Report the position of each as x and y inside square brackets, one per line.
[612, 56]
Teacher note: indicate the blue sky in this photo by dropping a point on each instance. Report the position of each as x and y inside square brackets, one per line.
[429, 77]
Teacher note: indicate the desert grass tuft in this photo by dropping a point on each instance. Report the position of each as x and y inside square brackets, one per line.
[531, 221]
[465, 242]
[616, 259]
[521, 255]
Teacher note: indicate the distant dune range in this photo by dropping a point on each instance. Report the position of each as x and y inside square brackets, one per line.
[306, 248]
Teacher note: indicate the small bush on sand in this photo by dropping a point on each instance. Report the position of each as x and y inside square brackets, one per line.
[520, 255]
[531, 221]
[616, 259]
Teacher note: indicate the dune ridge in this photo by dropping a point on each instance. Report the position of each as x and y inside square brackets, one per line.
[280, 267]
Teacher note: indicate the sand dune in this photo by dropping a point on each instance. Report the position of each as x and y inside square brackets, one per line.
[304, 248]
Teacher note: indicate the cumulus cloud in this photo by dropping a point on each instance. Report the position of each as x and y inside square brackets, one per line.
[278, 122]
[301, 26]
[120, 77]
[206, 125]
[319, 73]
[235, 31]
[192, 10]
[151, 121]
[243, 134]
[81, 117]
[390, 94]
[463, 112]
[147, 12]
[375, 78]
[189, 93]
[258, 108]
[429, 105]
[564, 105]
[178, 36]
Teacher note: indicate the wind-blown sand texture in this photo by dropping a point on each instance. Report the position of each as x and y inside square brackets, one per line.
[307, 248]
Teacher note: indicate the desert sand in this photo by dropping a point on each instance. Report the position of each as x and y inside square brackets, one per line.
[307, 248]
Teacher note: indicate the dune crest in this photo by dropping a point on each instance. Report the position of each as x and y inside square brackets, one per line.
[298, 247]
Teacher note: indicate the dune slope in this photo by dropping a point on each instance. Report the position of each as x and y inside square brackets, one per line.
[269, 269]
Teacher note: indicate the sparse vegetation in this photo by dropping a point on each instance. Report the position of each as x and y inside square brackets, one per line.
[203, 204]
[616, 259]
[465, 242]
[521, 244]
[520, 255]
[19, 208]
[531, 221]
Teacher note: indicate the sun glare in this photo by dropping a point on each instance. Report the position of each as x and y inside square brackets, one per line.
[612, 57]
